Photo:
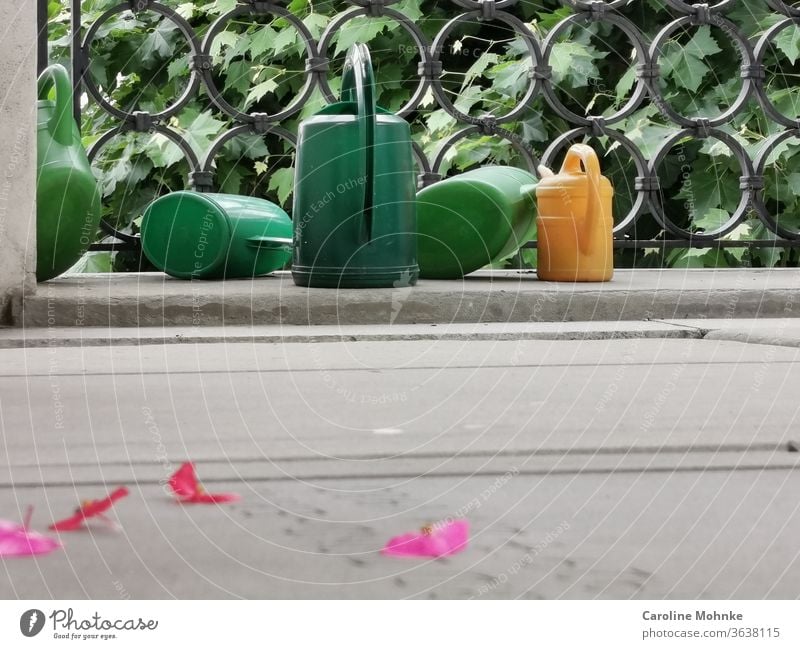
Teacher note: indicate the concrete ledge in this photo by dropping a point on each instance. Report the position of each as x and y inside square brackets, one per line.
[154, 300]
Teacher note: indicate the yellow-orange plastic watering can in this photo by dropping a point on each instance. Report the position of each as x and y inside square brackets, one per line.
[574, 221]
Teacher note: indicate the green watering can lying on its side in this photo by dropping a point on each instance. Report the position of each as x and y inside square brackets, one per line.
[474, 219]
[67, 195]
[354, 212]
[215, 236]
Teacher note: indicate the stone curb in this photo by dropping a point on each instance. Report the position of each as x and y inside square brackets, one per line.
[152, 300]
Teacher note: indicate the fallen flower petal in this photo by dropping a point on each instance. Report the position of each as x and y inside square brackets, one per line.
[17, 541]
[185, 486]
[184, 481]
[438, 540]
[89, 509]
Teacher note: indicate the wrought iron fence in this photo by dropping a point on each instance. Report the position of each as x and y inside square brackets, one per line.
[648, 201]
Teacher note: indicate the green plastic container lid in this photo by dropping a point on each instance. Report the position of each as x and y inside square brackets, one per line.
[185, 234]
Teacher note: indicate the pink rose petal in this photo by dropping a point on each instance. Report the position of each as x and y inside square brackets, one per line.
[16, 541]
[441, 540]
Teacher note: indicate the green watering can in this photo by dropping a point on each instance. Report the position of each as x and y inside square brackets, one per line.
[473, 219]
[354, 213]
[67, 196]
[190, 235]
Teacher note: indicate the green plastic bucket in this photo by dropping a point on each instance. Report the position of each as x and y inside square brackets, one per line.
[190, 235]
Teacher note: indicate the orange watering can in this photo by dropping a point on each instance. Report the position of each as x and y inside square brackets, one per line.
[574, 222]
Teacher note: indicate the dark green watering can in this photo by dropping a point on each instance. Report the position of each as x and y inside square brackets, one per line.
[354, 216]
[67, 196]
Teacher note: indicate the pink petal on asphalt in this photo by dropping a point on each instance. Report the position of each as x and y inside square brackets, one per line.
[185, 486]
[16, 541]
[439, 540]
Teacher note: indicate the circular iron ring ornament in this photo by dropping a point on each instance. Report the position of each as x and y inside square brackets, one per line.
[747, 174]
[561, 142]
[520, 29]
[642, 58]
[407, 24]
[125, 127]
[243, 129]
[422, 160]
[169, 14]
[760, 163]
[784, 8]
[208, 76]
[207, 164]
[761, 49]
[523, 149]
[747, 70]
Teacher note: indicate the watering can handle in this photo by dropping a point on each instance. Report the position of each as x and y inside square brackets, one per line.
[270, 243]
[358, 86]
[583, 154]
[60, 124]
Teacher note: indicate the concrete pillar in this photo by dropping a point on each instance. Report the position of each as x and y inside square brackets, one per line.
[17, 153]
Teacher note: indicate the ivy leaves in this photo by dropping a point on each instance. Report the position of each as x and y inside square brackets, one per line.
[685, 63]
[259, 65]
[573, 64]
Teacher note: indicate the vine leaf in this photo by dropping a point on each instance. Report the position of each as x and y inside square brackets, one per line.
[178, 67]
[713, 219]
[788, 42]
[511, 77]
[359, 30]
[199, 128]
[262, 41]
[710, 187]
[573, 63]
[286, 39]
[479, 67]
[316, 24]
[259, 90]
[685, 64]
[282, 182]
[157, 44]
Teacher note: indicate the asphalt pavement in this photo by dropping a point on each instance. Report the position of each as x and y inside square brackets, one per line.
[620, 465]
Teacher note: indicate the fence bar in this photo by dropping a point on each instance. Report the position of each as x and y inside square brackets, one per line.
[41, 36]
[657, 244]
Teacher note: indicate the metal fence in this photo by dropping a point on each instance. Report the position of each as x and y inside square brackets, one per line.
[647, 203]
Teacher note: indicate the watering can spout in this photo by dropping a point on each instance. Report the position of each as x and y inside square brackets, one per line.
[67, 196]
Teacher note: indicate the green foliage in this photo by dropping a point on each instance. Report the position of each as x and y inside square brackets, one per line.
[142, 63]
